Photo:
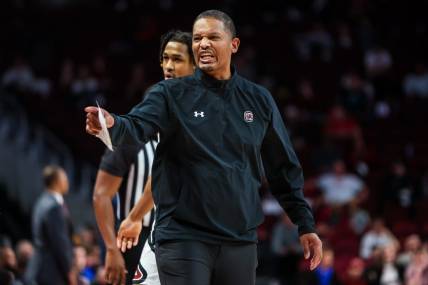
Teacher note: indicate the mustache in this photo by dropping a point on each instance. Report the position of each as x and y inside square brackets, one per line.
[207, 51]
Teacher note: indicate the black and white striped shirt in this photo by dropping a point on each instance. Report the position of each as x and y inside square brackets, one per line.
[134, 165]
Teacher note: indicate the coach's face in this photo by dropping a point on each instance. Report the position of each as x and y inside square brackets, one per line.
[213, 46]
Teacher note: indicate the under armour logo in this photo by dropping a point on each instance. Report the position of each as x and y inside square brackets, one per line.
[198, 114]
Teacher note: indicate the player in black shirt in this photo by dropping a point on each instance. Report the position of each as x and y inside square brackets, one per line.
[124, 173]
[220, 133]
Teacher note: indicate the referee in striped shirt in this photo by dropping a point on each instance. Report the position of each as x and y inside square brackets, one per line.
[125, 171]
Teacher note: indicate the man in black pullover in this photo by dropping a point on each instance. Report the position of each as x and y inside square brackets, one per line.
[220, 133]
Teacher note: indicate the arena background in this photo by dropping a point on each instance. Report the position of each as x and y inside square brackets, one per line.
[350, 77]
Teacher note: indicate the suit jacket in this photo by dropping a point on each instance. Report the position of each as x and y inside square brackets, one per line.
[52, 260]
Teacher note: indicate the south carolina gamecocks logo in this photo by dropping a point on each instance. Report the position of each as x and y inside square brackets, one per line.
[248, 116]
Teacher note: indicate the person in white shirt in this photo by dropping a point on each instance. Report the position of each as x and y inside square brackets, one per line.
[340, 188]
[376, 238]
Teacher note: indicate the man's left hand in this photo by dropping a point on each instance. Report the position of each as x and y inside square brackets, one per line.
[312, 246]
[128, 233]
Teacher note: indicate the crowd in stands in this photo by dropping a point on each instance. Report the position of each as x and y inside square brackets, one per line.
[350, 78]
[87, 263]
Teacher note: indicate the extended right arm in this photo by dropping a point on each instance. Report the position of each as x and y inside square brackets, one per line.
[138, 126]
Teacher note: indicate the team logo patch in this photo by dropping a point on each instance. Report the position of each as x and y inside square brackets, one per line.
[248, 116]
[140, 275]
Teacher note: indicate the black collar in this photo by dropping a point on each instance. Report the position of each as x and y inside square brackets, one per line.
[211, 82]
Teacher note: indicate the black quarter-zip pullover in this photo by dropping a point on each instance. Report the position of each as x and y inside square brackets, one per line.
[218, 138]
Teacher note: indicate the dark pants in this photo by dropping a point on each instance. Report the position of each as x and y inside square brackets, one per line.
[198, 263]
[132, 256]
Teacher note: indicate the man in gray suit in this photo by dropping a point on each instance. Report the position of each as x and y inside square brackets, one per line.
[52, 261]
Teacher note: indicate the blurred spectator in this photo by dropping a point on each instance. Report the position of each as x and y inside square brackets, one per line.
[308, 100]
[5, 240]
[66, 76]
[344, 36]
[147, 28]
[382, 109]
[8, 259]
[412, 245]
[317, 42]
[424, 182]
[244, 62]
[85, 82]
[399, 189]
[99, 67]
[93, 261]
[386, 271]
[305, 89]
[324, 230]
[85, 88]
[355, 272]
[79, 265]
[340, 188]
[359, 219]
[356, 95]
[324, 274]
[100, 278]
[417, 271]
[343, 131]
[272, 211]
[87, 236]
[287, 250]
[296, 118]
[42, 87]
[375, 239]
[271, 206]
[19, 76]
[324, 156]
[416, 83]
[137, 83]
[24, 252]
[377, 61]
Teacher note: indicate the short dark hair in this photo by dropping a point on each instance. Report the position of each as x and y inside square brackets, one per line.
[221, 16]
[179, 37]
[50, 175]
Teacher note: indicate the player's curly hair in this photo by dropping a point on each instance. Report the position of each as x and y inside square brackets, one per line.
[176, 36]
